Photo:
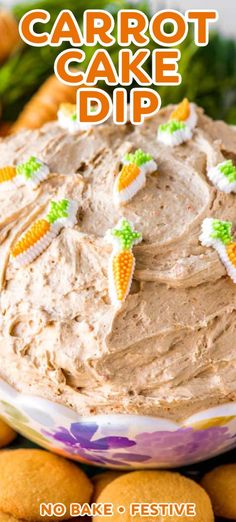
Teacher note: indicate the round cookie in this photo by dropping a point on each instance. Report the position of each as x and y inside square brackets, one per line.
[101, 480]
[155, 487]
[7, 434]
[30, 477]
[220, 484]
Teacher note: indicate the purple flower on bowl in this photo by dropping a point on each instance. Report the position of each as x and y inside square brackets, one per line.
[78, 440]
[184, 445]
[166, 448]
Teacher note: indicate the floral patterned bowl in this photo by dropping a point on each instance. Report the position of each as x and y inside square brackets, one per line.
[120, 441]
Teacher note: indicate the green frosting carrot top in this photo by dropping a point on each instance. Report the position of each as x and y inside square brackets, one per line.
[139, 157]
[28, 168]
[222, 230]
[58, 209]
[229, 170]
[172, 126]
[126, 235]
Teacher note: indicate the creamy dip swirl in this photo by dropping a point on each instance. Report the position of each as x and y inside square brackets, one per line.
[170, 349]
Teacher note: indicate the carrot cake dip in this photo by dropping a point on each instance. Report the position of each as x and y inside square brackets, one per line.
[118, 264]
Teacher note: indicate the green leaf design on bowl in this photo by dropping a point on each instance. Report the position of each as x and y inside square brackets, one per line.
[15, 414]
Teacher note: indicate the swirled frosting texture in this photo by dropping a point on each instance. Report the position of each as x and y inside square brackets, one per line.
[170, 349]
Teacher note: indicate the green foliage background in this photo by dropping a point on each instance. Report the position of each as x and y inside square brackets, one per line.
[208, 73]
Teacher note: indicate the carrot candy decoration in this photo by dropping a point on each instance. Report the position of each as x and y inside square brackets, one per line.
[128, 182]
[218, 234]
[142, 159]
[132, 176]
[185, 112]
[122, 261]
[32, 172]
[67, 118]
[223, 176]
[7, 178]
[174, 133]
[180, 125]
[41, 233]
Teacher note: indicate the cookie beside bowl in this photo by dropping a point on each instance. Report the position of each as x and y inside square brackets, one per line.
[117, 322]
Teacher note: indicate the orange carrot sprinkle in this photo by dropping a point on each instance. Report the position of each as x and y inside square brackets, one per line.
[182, 111]
[34, 234]
[231, 251]
[128, 174]
[7, 174]
[122, 266]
